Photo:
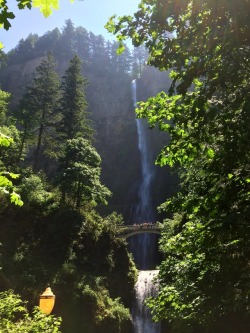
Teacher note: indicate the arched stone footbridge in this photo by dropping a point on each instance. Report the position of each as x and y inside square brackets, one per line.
[126, 231]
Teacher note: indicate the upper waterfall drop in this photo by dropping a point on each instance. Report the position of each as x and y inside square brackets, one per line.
[145, 207]
[134, 92]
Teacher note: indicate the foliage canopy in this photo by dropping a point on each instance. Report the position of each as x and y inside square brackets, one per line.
[6, 141]
[46, 7]
[205, 45]
[14, 317]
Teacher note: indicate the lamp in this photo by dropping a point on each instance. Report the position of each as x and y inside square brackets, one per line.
[47, 301]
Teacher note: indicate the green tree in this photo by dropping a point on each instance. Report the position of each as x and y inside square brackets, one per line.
[37, 110]
[206, 45]
[140, 56]
[201, 39]
[4, 101]
[49, 41]
[3, 58]
[73, 103]
[82, 43]
[35, 193]
[8, 151]
[10, 154]
[80, 181]
[6, 177]
[14, 317]
[66, 47]
[122, 63]
[24, 51]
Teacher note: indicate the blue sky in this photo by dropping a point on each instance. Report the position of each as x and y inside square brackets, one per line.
[91, 14]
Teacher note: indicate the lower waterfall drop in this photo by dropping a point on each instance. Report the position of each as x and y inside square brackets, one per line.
[145, 287]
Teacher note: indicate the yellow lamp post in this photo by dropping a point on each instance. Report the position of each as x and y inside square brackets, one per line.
[47, 301]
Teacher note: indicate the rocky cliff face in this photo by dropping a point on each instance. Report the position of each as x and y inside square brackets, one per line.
[117, 141]
[112, 111]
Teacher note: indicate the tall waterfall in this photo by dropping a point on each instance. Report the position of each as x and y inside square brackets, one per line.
[145, 207]
[143, 245]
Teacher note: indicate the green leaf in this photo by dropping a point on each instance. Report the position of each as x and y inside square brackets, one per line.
[210, 153]
[157, 52]
[46, 6]
[4, 182]
[5, 140]
[14, 175]
[196, 209]
[120, 49]
[15, 198]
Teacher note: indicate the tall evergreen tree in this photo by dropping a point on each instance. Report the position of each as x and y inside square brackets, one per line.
[37, 108]
[74, 122]
[120, 63]
[82, 43]
[67, 43]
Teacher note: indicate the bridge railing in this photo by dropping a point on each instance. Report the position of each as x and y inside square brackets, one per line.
[139, 226]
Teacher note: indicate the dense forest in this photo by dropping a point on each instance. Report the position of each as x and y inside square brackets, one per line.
[108, 94]
[59, 148]
[68, 128]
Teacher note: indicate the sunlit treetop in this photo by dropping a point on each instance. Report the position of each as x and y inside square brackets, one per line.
[193, 37]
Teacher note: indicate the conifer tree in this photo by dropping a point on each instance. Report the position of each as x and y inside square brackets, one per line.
[66, 44]
[74, 122]
[37, 108]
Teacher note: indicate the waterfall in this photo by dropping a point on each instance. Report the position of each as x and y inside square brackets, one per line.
[144, 288]
[143, 245]
[145, 207]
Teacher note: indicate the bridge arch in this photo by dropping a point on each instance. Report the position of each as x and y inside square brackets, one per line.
[131, 230]
[132, 233]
